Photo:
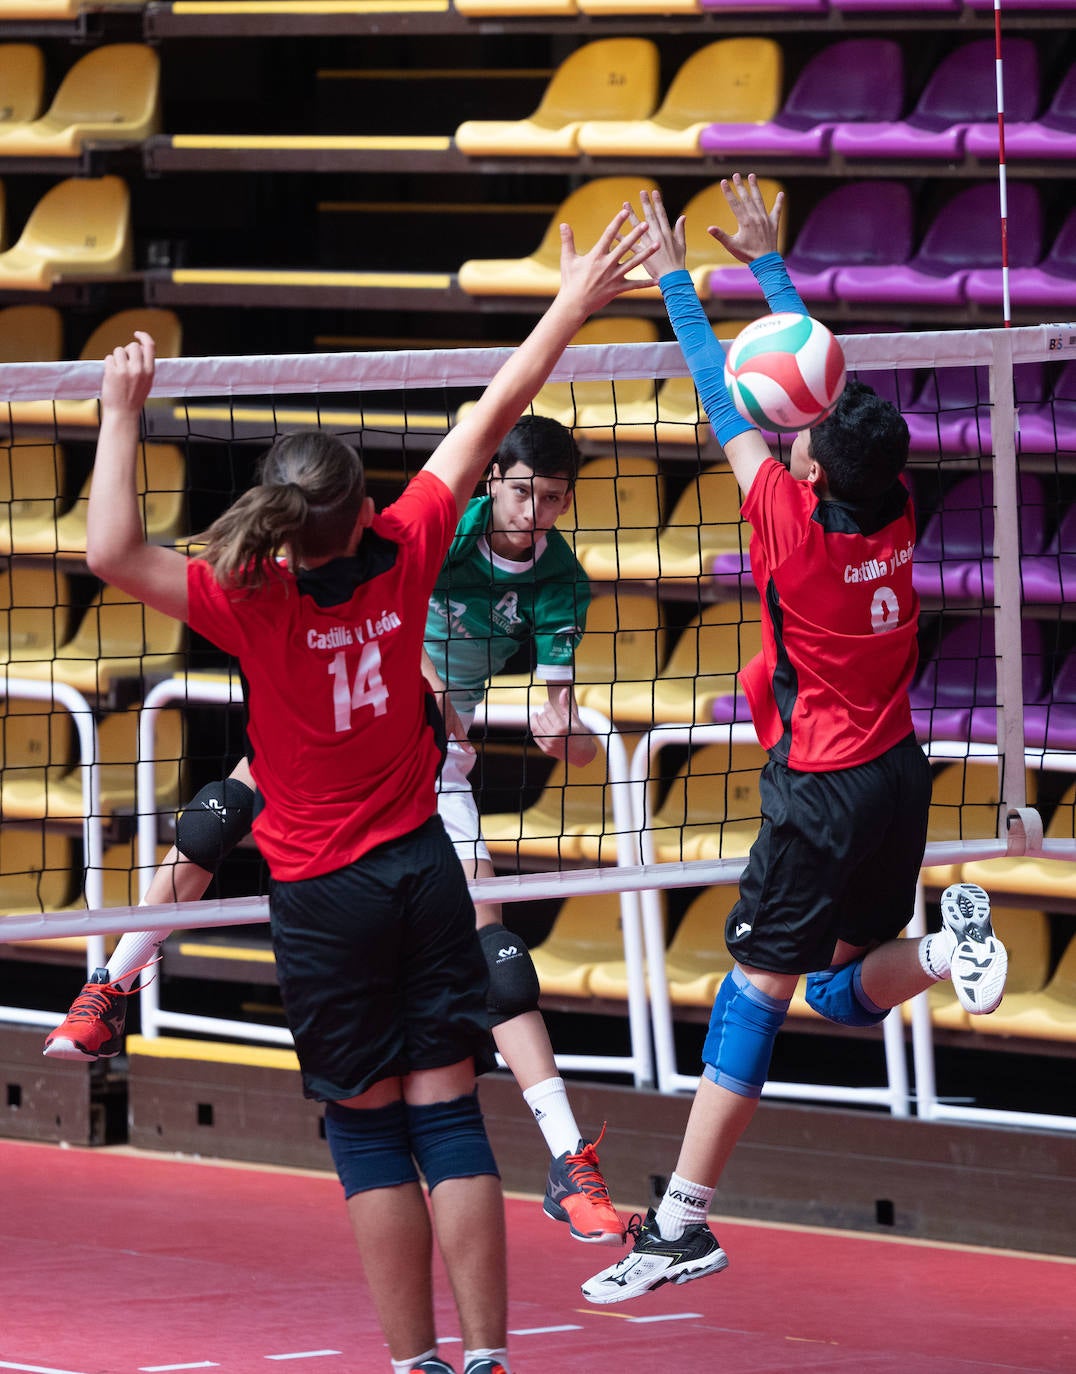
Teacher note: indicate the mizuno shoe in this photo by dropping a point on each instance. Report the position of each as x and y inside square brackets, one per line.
[978, 961]
[575, 1192]
[93, 1028]
[653, 1261]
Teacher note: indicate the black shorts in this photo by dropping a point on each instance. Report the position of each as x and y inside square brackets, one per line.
[837, 858]
[379, 965]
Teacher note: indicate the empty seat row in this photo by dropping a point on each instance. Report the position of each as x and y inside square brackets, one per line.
[725, 100]
[506, 9]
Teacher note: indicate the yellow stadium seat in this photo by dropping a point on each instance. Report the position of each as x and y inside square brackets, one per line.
[35, 615]
[614, 519]
[588, 210]
[80, 228]
[31, 486]
[585, 933]
[712, 808]
[22, 81]
[117, 638]
[1030, 876]
[623, 645]
[55, 793]
[697, 960]
[612, 78]
[37, 749]
[111, 95]
[604, 410]
[1048, 1013]
[575, 805]
[162, 325]
[705, 254]
[37, 870]
[701, 668]
[731, 81]
[681, 418]
[30, 334]
[161, 477]
[964, 806]
[515, 9]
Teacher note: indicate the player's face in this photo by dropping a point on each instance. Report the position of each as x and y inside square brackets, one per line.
[525, 505]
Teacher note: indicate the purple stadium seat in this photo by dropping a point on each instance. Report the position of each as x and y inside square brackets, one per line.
[951, 413]
[1051, 724]
[962, 90]
[885, 6]
[964, 235]
[1052, 282]
[1052, 135]
[955, 547]
[799, 6]
[854, 224]
[858, 79]
[1050, 576]
[955, 694]
[1050, 427]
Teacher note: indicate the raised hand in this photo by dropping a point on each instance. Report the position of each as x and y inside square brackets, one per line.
[757, 232]
[601, 275]
[667, 242]
[129, 375]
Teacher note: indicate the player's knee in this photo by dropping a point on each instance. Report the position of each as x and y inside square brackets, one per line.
[370, 1147]
[739, 1043]
[837, 994]
[214, 821]
[513, 979]
[449, 1140]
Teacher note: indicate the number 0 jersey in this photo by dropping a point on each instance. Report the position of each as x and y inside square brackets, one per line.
[839, 622]
[342, 746]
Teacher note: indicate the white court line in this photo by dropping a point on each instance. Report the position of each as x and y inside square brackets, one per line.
[543, 1330]
[161, 1368]
[33, 1368]
[667, 1317]
[303, 1355]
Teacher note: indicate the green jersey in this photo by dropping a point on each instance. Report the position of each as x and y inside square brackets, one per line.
[485, 607]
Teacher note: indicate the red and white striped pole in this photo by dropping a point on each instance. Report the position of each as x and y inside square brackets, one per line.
[1002, 182]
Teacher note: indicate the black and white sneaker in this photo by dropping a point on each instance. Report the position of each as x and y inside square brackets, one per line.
[653, 1261]
[978, 962]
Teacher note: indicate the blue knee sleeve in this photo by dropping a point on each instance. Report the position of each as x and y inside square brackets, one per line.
[370, 1146]
[743, 1027]
[449, 1140]
[837, 994]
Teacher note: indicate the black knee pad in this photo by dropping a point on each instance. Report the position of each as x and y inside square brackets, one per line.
[212, 823]
[513, 979]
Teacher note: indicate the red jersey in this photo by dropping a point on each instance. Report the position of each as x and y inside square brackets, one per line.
[839, 620]
[342, 748]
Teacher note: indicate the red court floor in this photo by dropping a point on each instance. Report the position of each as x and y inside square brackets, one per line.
[112, 1262]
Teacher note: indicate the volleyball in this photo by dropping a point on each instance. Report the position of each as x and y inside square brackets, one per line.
[785, 371]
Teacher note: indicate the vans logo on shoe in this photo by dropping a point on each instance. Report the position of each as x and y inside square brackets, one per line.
[686, 1198]
[742, 929]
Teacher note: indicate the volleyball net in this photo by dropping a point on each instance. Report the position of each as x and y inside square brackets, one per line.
[113, 716]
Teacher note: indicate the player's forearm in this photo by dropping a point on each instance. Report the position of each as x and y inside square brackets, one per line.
[113, 521]
[703, 354]
[772, 275]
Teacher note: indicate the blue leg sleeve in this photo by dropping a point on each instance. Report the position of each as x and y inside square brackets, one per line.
[837, 994]
[739, 1043]
[449, 1140]
[369, 1146]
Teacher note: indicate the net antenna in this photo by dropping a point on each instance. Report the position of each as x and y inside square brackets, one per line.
[999, 68]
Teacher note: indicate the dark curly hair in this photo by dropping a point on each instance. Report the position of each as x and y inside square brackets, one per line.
[861, 446]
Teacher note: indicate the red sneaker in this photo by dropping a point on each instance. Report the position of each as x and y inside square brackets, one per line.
[575, 1192]
[93, 1028]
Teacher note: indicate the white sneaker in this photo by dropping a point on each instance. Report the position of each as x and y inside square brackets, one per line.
[978, 962]
[653, 1261]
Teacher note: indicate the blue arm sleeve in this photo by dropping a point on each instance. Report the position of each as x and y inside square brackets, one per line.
[772, 275]
[703, 354]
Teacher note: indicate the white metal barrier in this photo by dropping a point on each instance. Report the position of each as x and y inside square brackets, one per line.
[72, 701]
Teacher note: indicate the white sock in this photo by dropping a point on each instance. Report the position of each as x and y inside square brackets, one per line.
[500, 1355]
[684, 1204]
[934, 957]
[548, 1102]
[135, 949]
[406, 1366]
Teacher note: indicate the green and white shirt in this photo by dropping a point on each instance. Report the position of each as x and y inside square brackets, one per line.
[484, 607]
